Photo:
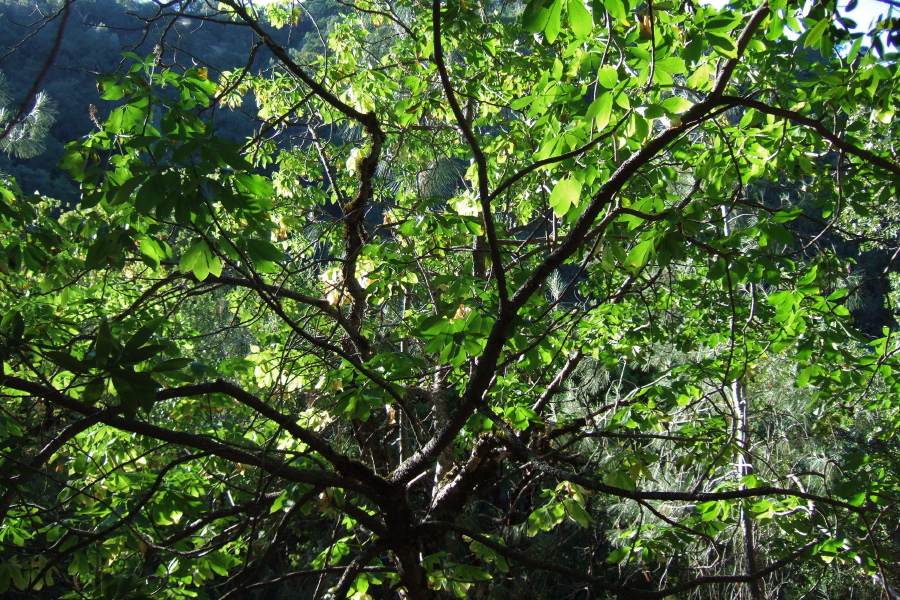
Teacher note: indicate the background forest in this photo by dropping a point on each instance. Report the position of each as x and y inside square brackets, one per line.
[547, 299]
[96, 35]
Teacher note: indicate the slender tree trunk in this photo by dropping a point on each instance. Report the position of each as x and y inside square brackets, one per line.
[403, 448]
[744, 468]
[441, 416]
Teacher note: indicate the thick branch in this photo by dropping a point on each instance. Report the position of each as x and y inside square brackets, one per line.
[484, 195]
[355, 235]
[727, 69]
[343, 464]
[693, 497]
[190, 440]
[560, 378]
[295, 69]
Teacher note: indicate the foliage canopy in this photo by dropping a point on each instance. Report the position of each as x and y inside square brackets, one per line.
[500, 299]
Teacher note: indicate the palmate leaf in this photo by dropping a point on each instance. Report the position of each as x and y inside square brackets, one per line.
[566, 194]
[200, 259]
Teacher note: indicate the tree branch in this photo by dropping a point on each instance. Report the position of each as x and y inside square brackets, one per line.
[191, 440]
[465, 127]
[817, 126]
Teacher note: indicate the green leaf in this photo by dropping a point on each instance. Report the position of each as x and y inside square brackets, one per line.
[617, 9]
[777, 233]
[601, 110]
[109, 89]
[68, 361]
[136, 390]
[786, 215]
[153, 251]
[103, 344]
[551, 31]
[671, 64]
[676, 105]
[608, 76]
[854, 50]
[620, 479]
[653, 112]
[278, 504]
[722, 44]
[536, 15]
[264, 250]
[155, 191]
[804, 375]
[74, 160]
[815, 34]
[13, 324]
[701, 78]
[580, 19]
[201, 260]
[5, 578]
[577, 513]
[173, 364]
[433, 324]
[228, 155]
[141, 354]
[255, 184]
[125, 191]
[618, 555]
[143, 334]
[566, 194]
[640, 255]
[709, 511]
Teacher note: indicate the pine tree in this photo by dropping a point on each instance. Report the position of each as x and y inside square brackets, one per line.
[22, 132]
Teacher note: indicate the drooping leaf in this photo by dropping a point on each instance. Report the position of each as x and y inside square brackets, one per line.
[601, 110]
[551, 31]
[566, 194]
